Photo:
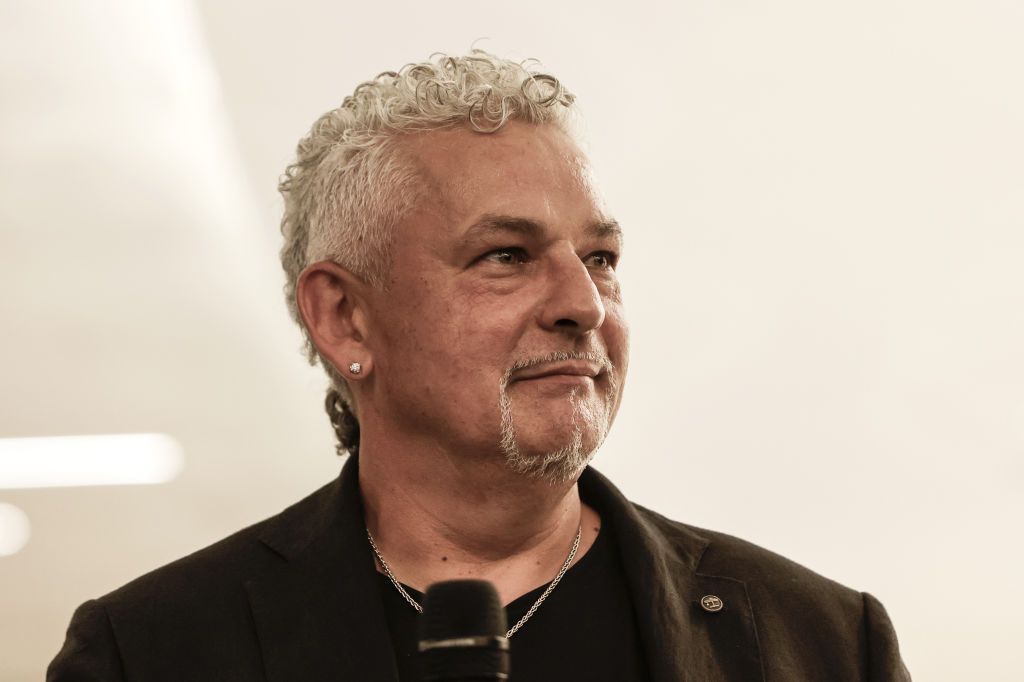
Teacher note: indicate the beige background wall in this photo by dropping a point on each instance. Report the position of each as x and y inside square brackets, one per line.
[825, 221]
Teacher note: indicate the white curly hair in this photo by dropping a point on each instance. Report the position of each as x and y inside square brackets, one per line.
[350, 184]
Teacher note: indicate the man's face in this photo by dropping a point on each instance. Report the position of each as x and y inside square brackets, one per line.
[501, 332]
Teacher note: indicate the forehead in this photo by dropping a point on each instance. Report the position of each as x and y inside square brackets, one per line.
[532, 171]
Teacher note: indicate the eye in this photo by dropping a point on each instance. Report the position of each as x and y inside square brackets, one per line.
[507, 255]
[602, 260]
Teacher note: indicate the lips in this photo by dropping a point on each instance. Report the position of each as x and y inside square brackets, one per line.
[578, 368]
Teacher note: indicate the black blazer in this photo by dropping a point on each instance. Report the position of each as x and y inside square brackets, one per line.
[295, 598]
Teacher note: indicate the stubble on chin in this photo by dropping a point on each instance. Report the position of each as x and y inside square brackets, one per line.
[567, 462]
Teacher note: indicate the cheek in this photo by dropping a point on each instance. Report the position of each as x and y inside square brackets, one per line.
[450, 342]
[616, 334]
[463, 334]
[409, 333]
[487, 326]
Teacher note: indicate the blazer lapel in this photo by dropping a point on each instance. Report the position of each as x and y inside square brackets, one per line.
[661, 559]
[320, 616]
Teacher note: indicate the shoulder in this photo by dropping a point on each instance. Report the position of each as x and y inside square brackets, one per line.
[765, 572]
[202, 603]
[198, 604]
[212, 580]
[203, 573]
[808, 626]
[769, 577]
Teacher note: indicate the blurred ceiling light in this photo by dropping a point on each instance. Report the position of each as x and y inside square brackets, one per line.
[14, 529]
[118, 459]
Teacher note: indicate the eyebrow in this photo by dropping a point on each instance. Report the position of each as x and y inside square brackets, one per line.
[490, 222]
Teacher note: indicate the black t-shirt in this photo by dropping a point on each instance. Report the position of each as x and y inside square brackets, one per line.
[584, 630]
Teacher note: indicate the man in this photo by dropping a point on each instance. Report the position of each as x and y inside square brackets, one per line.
[453, 268]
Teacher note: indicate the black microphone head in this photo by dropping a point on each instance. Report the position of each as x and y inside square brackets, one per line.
[462, 632]
[462, 608]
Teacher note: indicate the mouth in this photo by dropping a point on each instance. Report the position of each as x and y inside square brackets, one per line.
[573, 370]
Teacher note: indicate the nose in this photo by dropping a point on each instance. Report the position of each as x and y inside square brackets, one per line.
[573, 304]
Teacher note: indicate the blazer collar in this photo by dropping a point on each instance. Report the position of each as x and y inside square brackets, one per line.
[661, 560]
[320, 615]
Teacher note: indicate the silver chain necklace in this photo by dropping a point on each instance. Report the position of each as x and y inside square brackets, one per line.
[522, 621]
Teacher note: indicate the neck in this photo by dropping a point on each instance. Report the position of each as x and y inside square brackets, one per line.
[438, 516]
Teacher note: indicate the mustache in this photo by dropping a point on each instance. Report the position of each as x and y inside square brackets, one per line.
[601, 359]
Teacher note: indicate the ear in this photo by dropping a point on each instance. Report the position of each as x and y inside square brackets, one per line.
[331, 304]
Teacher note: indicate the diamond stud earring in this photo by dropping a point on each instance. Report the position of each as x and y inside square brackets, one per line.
[355, 368]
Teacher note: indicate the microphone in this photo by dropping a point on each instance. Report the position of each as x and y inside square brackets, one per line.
[462, 633]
